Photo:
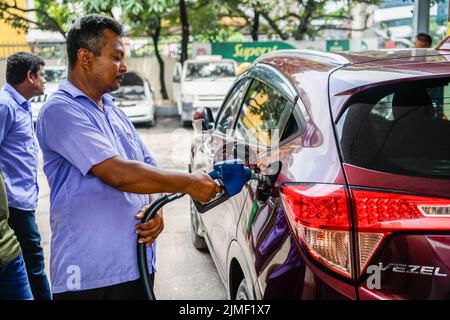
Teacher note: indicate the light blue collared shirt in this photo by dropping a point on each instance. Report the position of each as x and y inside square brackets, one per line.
[93, 224]
[18, 150]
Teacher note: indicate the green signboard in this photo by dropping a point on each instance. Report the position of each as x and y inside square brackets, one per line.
[247, 51]
[338, 45]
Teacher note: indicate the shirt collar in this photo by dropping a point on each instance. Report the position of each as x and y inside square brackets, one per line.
[16, 95]
[71, 89]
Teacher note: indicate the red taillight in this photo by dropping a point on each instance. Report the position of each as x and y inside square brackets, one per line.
[380, 213]
[320, 218]
[388, 212]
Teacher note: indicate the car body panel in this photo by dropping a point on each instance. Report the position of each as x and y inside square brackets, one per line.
[362, 177]
[422, 272]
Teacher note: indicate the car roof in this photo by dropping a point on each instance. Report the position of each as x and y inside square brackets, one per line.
[378, 57]
[351, 72]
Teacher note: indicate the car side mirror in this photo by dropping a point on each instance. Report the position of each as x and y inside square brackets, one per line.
[203, 119]
[176, 79]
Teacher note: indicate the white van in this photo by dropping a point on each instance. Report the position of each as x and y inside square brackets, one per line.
[202, 82]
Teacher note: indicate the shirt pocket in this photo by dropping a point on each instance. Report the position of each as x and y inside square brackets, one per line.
[130, 147]
[23, 130]
[136, 150]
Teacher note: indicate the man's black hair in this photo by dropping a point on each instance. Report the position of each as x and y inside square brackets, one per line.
[87, 33]
[18, 65]
[425, 38]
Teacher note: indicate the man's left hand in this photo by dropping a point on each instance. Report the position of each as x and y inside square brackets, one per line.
[149, 231]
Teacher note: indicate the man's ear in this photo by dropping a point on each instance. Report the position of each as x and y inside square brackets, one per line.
[30, 77]
[84, 58]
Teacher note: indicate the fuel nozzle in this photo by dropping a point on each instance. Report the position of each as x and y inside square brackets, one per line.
[266, 181]
[232, 175]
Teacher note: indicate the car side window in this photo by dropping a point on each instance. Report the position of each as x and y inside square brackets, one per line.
[228, 112]
[264, 115]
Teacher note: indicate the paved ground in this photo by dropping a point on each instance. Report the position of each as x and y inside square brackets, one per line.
[183, 271]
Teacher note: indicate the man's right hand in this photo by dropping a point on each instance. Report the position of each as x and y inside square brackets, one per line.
[203, 188]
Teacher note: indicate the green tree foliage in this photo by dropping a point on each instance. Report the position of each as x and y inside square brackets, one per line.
[48, 15]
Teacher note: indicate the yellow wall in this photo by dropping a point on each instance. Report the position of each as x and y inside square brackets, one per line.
[12, 40]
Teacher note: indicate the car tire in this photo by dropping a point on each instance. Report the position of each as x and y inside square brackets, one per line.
[242, 292]
[197, 240]
[149, 124]
[186, 123]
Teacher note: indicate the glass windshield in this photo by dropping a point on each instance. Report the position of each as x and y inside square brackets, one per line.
[129, 93]
[54, 75]
[402, 129]
[215, 69]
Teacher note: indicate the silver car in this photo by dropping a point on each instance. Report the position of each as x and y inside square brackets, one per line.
[137, 99]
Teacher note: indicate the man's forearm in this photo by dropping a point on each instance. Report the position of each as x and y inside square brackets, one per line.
[138, 177]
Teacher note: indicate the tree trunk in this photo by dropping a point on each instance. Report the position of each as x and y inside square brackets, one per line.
[184, 31]
[310, 8]
[255, 26]
[155, 38]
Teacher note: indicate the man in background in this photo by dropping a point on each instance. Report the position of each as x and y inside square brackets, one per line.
[19, 161]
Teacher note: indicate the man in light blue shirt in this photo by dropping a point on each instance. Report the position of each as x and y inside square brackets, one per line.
[19, 161]
[100, 173]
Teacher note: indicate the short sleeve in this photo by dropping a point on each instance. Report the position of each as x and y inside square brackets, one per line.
[70, 133]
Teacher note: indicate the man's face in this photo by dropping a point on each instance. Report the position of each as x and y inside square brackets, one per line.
[38, 82]
[108, 68]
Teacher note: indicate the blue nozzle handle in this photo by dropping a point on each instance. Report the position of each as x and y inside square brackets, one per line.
[214, 175]
[232, 176]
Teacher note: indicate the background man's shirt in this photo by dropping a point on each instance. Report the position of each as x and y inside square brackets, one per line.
[93, 224]
[18, 150]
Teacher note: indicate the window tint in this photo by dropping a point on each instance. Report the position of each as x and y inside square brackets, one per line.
[401, 129]
[263, 112]
[229, 111]
[55, 75]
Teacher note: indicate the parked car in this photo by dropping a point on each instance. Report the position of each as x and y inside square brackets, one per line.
[361, 208]
[137, 99]
[53, 75]
[202, 82]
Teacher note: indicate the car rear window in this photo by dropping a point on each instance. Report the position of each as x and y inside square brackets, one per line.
[401, 128]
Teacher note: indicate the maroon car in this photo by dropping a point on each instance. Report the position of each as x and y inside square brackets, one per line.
[361, 208]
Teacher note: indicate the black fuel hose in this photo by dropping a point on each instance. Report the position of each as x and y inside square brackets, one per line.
[141, 248]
